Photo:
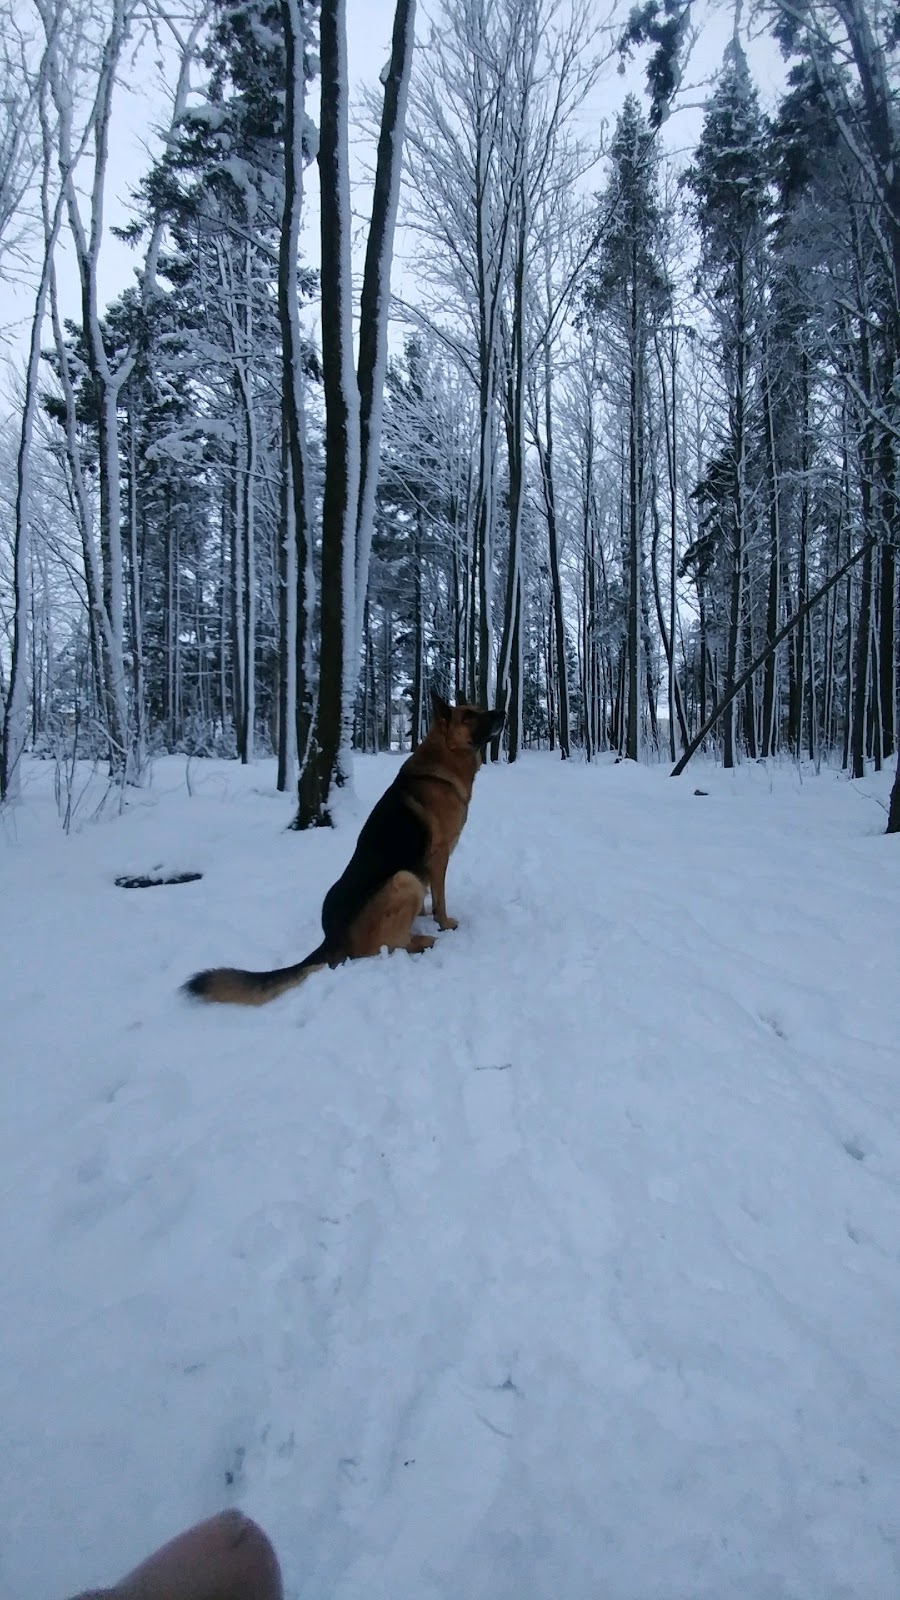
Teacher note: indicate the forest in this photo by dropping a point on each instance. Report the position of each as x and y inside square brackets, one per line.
[616, 450]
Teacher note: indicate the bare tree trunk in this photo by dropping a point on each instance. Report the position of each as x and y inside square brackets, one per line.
[135, 605]
[739, 530]
[471, 686]
[549, 486]
[287, 621]
[862, 680]
[588, 648]
[376, 287]
[829, 731]
[387, 642]
[648, 669]
[98, 620]
[247, 492]
[770, 679]
[887, 642]
[893, 824]
[370, 692]
[328, 762]
[633, 634]
[239, 665]
[298, 560]
[417, 727]
[14, 731]
[170, 624]
[551, 696]
[224, 608]
[104, 383]
[676, 705]
[484, 536]
[666, 634]
[509, 678]
[457, 600]
[798, 678]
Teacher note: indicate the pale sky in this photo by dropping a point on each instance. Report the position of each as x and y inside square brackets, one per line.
[140, 104]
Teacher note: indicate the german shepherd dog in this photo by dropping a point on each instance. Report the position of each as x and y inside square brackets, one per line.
[402, 851]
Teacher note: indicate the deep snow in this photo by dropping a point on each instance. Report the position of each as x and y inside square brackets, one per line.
[560, 1262]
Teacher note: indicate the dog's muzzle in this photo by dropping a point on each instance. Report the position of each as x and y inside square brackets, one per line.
[491, 728]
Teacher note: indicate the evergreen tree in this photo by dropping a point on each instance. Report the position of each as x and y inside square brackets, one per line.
[730, 182]
[628, 292]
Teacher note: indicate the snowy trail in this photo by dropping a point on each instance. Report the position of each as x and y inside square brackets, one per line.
[562, 1260]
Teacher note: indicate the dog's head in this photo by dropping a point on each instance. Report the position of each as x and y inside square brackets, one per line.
[465, 727]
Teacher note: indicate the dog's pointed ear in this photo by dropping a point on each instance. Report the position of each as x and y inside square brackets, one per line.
[439, 708]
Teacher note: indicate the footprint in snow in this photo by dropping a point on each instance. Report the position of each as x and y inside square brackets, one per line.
[152, 1203]
[773, 1023]
[490, 1112]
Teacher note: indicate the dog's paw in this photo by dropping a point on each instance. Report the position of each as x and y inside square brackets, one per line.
[447, 924]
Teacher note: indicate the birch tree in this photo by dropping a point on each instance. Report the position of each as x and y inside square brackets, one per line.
[106, 377]
[15, 156]
[21, 85]
[465, 189]
[106, 380]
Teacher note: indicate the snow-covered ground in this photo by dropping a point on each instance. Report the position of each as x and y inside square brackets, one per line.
[559, 1263]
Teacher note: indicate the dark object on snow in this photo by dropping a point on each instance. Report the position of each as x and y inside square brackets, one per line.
[149, 882]
[701, 791]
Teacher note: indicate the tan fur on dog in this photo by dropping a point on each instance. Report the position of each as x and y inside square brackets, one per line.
[403, 851]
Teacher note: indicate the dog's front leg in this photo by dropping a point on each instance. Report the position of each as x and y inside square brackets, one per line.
[438, 893]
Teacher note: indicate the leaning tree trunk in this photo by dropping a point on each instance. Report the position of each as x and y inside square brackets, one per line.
[721, 706]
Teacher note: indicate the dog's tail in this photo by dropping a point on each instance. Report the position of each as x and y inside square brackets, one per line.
[231, 984]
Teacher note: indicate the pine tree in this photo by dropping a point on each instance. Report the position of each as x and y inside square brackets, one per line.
[730, 181]
[627, 291]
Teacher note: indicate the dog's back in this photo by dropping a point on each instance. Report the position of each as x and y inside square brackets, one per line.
[394, 838]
